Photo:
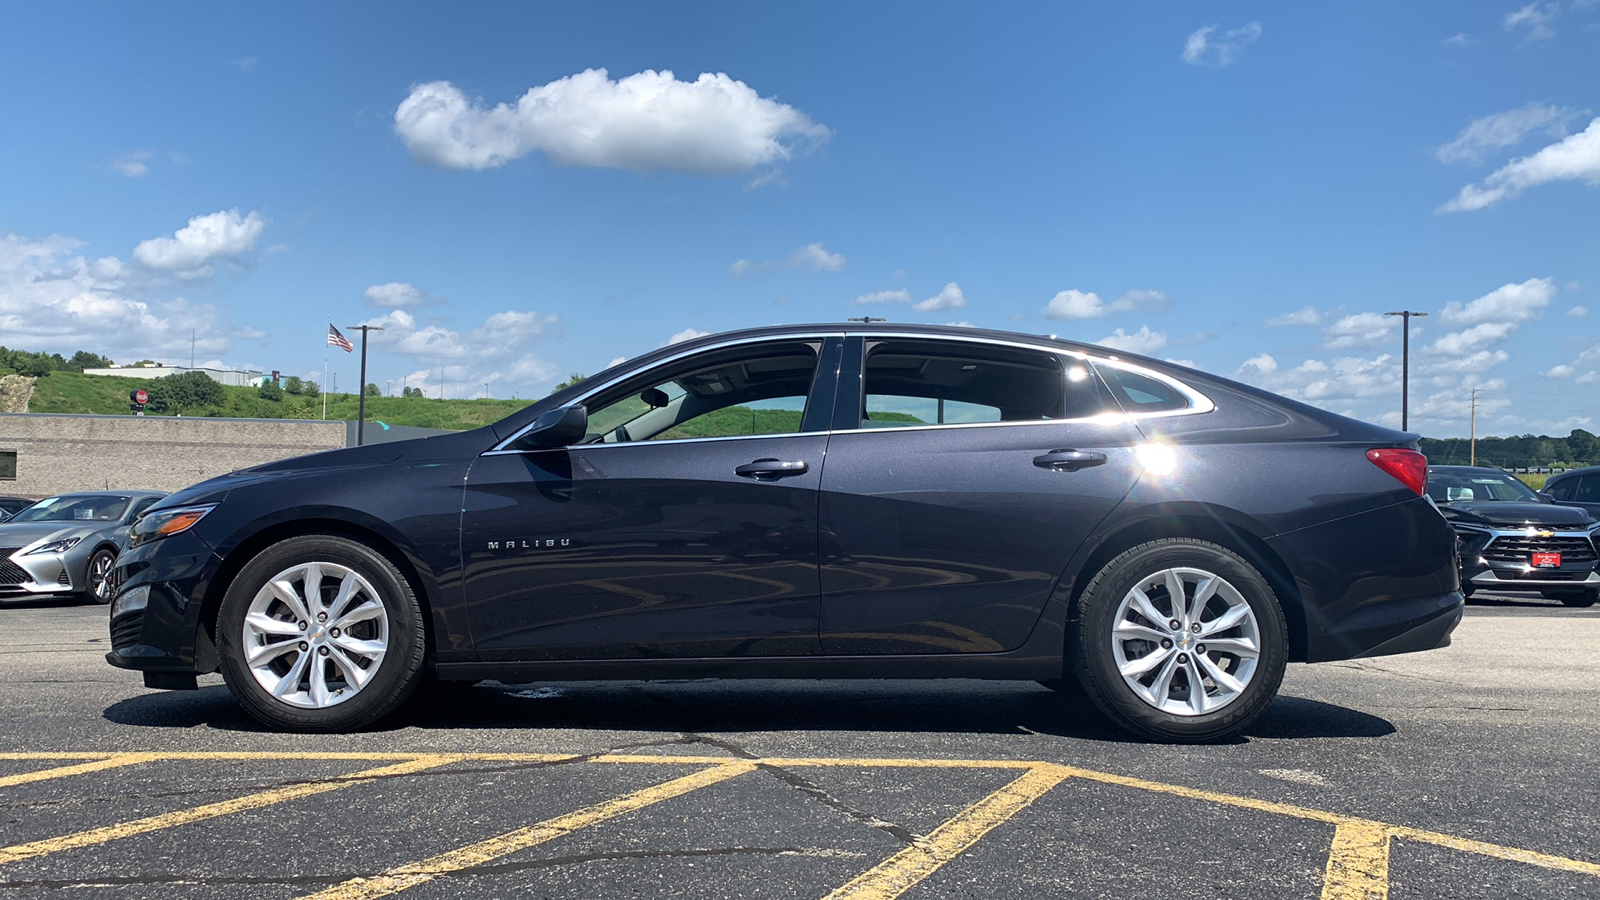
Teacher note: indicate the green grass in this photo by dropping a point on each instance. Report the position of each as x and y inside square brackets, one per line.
[70, 392]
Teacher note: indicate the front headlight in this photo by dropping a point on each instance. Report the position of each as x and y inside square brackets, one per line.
[60, 546]
[161, 523]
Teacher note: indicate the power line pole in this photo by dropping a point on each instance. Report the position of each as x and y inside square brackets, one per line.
[361, 386]
[1473, 455]
[1405, 365]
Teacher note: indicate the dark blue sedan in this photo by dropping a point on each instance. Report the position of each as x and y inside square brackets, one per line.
[814, 502]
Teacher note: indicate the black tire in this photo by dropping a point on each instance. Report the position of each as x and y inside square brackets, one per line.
[1575, 599]
[1094, 647]
[101, 589]
[384, 683]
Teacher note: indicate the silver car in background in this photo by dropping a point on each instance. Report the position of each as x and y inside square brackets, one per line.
[66, 545]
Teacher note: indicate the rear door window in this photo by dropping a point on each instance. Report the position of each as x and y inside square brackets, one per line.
[916, 383]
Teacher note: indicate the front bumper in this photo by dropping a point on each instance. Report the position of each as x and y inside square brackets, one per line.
[36, 575]
[165, 634]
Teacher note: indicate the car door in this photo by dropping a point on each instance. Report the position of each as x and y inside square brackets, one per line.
[961, 478]
[685, 525]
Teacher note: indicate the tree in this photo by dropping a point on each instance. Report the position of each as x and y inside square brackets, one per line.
[184, 392]
[572, 379]
[310, 389]
[269, 390]
[293, 385]
[372, 391]
[83, 359]
[410, 392]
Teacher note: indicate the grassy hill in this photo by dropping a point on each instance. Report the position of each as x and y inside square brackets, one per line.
[70, 392]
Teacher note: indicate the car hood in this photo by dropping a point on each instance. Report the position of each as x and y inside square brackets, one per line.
[1496, 513]
[23, 534]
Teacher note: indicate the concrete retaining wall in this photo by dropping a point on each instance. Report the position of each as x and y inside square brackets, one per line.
[60, 453]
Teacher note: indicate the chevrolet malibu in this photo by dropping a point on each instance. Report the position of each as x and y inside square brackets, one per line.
[813, 502]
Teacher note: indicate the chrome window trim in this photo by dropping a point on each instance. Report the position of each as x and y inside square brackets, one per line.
[648, 443]
[1199, 402]
[505, 445]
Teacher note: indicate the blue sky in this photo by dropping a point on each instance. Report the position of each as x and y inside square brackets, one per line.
[518, 191]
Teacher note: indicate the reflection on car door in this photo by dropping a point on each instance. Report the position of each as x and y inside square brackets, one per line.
[946, 536]
[686, 547]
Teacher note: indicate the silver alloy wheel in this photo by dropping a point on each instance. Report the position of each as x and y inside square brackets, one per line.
[1186, 641]
[100, 576]
[315, 634]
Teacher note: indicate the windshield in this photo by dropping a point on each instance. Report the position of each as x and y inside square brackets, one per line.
[75, 508]
[1447, 487]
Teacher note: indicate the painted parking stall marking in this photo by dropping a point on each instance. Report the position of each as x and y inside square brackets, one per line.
[1357, 864]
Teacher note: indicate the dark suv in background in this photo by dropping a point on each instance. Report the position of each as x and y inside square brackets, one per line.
[1512, 538]
[1579, 487]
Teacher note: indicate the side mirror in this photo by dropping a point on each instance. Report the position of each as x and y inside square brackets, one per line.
[556, 428]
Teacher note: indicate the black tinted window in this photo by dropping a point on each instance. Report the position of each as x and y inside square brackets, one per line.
[1563, 489]
[910, 383]
[1141, 393]
[1588, 490]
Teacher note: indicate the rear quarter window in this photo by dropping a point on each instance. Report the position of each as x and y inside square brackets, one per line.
[1140, 393]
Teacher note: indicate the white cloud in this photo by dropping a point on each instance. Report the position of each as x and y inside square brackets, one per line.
[1458, 41]
[1588, 378]
[1144, 341]
[688, 334]
[246, 62]
[741, 268]
[1507, 303]
[132, 164]
[1360, 330]
[1264, 364]
[818, 260]
[648, 122]
[1304, 316]
[1071, 304]
[900, 296]
[220, 235]
[399, 295]
[1448, 370]
[1577, 312]
[1472, 339]
[1574, 158]
[946, 300]
[494, 352]
[1561, 372]
[1205, 47]
[54, 299]
[1534, 19]
[1506, 129]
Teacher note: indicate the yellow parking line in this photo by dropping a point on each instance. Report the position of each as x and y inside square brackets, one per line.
[412, 874]
[900, 872]
[212, 810]
[1495, 851]
[1358, 863]
[110, 762]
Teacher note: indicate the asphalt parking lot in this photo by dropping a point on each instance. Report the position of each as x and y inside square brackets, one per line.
[1467, 772]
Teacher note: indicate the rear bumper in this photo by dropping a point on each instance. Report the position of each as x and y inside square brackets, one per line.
[1376, 583]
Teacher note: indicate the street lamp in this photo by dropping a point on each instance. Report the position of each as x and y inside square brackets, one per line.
[1405, 364]
[361, 387]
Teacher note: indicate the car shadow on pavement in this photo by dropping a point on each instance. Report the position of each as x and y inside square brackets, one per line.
[961, 707]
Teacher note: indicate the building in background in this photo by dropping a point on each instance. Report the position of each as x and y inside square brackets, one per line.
[247, 378]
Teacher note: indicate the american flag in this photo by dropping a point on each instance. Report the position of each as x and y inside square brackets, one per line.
[339, 340]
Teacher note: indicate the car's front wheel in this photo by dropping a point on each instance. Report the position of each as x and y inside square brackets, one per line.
[1579, 598]
[99, 569]
[1180, 640]
[320, 633]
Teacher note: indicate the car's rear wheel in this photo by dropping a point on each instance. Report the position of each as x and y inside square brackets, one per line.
[100, 586]
[1579, 599]
[320, 633]
[1180, 640]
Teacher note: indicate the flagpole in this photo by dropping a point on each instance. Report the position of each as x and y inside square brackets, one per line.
[325, 375]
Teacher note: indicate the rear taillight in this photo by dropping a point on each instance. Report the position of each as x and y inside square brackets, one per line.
[1408, 467]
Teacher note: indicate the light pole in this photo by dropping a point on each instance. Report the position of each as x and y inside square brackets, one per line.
[361, 386]
[1405, 364]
